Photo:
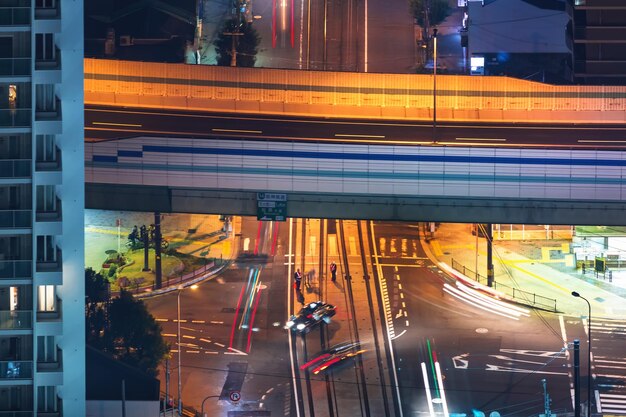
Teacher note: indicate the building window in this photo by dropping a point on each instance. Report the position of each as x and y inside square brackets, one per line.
[46, 298]
[47, 399]
[46, 249]
[46, 148]
[46, 349]
[45, 4]
[45, 97]
[45, 50]
[46, 199]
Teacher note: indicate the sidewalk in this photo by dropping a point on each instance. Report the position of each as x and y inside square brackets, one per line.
[200, 236]
[540, 267]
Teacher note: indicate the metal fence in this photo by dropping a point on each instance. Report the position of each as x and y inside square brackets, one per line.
[521, 296]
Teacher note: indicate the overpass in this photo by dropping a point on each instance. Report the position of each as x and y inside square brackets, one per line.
[345, 94]
[354, 180]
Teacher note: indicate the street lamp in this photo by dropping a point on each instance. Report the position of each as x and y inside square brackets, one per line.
[202, 407]
[435, 85]
[589, 379]
[180, 400]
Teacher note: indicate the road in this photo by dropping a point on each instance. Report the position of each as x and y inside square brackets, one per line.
[487, 361]
[423, 339]
[336, 35]
[103, 123]
[234, 322]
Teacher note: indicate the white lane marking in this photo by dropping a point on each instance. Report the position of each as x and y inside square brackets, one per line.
[237, 131]
[483, 139]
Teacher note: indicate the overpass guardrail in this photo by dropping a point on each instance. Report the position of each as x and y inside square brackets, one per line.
[345, 94]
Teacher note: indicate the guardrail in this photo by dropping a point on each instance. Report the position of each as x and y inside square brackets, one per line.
[266, 90]
[521, 296]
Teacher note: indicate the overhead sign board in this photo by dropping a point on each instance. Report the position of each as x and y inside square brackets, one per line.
[271, 207]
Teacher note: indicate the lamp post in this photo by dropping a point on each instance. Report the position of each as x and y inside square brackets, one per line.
[589, 379]
[180, 400]
[435, 85]
[206, 398]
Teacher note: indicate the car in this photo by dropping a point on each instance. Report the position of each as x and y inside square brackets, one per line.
[310, 316]
[332, 356]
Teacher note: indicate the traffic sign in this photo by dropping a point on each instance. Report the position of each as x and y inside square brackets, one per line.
[271, 207]
[235, 396]
[600, 264]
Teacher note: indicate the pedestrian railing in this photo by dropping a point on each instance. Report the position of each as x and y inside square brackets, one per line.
[521, 296]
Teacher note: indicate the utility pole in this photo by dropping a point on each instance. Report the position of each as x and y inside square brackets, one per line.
[546, 399]
[157, 250]
[489, 255]
[233, 48]
[146, 244]
[576, 378]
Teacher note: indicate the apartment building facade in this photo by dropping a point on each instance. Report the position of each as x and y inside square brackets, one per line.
[42, 353]
[600, 42]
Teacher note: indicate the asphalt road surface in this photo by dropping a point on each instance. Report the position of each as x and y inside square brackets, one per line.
[426, 345]
[102, 123]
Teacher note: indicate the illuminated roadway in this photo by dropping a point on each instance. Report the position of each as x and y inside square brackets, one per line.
[486, 360]
[103, 123]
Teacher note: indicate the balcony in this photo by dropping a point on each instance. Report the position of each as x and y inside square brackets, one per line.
[47, 9]
[51, 264]
[49, 166]
[16, 269]
[16, 320]
[51, 67]
[16, 414]
[15, 168]
[14, 67]
[48, 315]
[49, 413]
[16, 370]
[14, 16]
[49, 112]
[51, 366]
[15, 218]
[49, 215]
[15, 118]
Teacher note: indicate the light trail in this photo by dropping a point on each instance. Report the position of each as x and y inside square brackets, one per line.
[465, 297]
[429, 397]
[444, 402]
[256, 305]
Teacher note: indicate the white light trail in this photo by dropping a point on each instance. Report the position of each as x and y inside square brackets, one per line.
[429, 397]
[444, 403]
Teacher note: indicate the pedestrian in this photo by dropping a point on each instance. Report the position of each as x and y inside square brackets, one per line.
[297, 276]
[584, 267]
[333, 271]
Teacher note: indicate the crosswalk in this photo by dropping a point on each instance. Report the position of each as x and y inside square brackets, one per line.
[609, 364]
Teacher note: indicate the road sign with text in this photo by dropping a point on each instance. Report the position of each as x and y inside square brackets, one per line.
[271, 207]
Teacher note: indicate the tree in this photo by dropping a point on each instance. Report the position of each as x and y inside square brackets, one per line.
[429, 12]
[135, 334]
[246, 45]
[96, 296]
[122, 327]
